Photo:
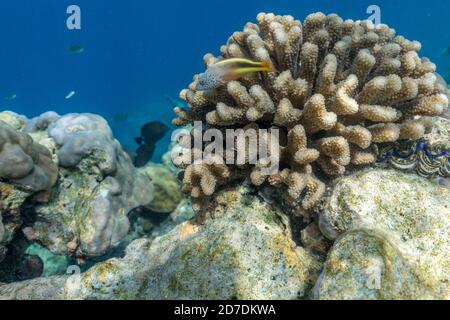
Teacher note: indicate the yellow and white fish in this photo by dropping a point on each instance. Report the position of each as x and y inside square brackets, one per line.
[227, 70]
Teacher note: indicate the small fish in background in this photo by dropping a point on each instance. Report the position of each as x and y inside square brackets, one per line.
[445, 52]
[227, 70]
[75, 49]
[143, 155]
[11, 96]
[175, 102]
[151, 133]
[70, 95]
[120, 116]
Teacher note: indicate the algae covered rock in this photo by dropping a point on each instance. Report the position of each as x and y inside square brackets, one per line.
[26, 167]
[367, 264]
[51, 288]
[16, 121]
[97, 187]
[167, 188]
[393, 223]
[390, 200]
[11, 200]
[243, 250]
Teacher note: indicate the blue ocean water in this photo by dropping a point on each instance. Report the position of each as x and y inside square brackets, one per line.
[138, 51]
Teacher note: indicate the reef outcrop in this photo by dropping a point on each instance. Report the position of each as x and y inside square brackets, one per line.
[392, 237]
[11, 200]
[167, 193]
[98, 186]
[338, 89]
[90, 182]
[389, 245]
[243, 250]
[24, 162]
[26, 167]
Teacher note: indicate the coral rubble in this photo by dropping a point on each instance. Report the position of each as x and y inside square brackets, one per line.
[339, 88]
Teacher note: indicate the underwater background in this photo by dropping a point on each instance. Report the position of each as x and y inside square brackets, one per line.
[137, 53]
[356, 202]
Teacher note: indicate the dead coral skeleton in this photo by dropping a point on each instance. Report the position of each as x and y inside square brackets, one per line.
[338, 88]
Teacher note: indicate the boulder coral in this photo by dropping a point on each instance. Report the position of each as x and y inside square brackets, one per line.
[90, 183]
[26, 167]
[337, 89]
[97, 187]
[167, 193]
[24, 162]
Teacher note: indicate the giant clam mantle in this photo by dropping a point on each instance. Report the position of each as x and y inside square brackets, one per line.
[427, 160]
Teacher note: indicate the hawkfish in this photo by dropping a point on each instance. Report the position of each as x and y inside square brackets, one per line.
[224, 71]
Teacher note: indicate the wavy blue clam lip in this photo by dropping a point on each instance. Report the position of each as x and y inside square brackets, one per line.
[405, 151]
[428, 161]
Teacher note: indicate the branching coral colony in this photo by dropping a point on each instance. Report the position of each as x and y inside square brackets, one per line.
[338, 88]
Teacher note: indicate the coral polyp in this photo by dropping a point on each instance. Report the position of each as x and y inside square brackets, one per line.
[338, 87]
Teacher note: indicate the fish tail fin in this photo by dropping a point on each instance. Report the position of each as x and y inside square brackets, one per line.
[265, 66]
[262, 67]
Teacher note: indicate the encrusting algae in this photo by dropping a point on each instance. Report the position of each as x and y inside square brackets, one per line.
[335, 89]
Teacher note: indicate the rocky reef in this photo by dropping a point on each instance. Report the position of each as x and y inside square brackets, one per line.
[67, 184]
[244, 249]
[24, 162]
[26, 167]
[392, 237]
[11, 200]
[167, 188]
[338, 89]
[389, 245]
[97, 183]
